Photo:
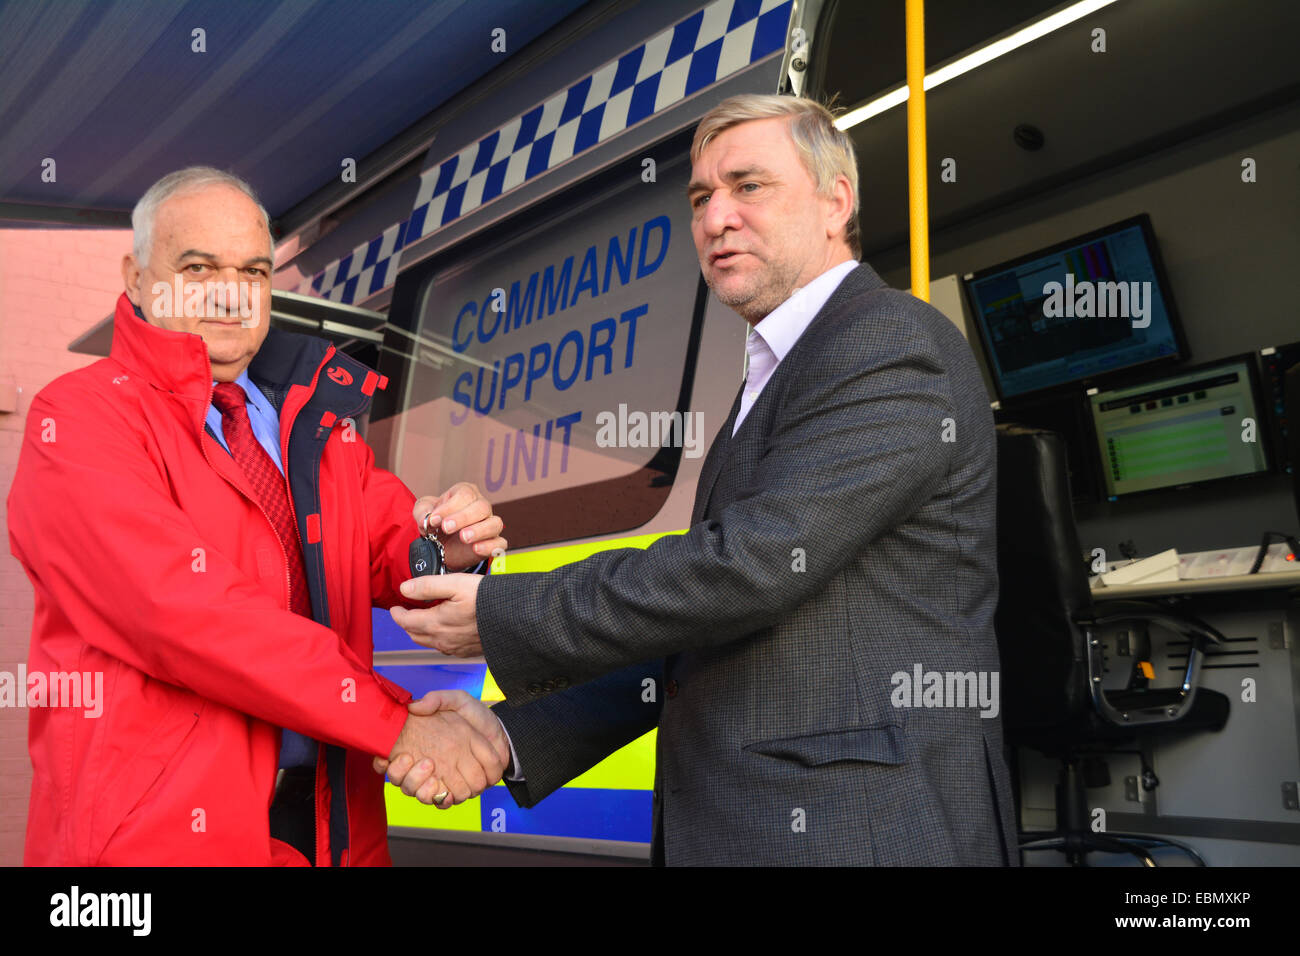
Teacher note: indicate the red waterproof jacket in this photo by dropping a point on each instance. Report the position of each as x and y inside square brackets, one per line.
[154, 566]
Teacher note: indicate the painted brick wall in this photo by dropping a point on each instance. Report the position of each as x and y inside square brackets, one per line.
[54, 285]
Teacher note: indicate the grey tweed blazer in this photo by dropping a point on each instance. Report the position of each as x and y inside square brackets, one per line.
[844, 536]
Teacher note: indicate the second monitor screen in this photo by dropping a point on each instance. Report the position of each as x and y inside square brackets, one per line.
[1196, 426]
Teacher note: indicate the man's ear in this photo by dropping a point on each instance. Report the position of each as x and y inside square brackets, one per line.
[840, 206]
[131, 273]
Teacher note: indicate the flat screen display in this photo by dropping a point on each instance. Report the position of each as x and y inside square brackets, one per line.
[1076, 312]
[1199, 425]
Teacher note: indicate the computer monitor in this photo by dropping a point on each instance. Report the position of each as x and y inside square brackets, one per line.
[1200, 424]
[1291, 388]
[1076, 312]
[1276, 363]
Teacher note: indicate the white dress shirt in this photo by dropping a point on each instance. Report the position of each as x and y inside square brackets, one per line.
[774, 336]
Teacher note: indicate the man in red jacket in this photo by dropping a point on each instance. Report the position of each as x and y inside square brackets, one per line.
[207, 534]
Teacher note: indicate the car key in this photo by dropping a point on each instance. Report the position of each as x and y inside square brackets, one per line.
[426, 554]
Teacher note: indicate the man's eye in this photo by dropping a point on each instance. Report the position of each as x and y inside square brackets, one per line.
[748, 187]
[195, 267]
[699, 201]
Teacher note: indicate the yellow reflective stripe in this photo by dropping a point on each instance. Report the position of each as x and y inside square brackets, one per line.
[630, 768]
[491, 693]
[404, 811]
[633, 766]
[548, 559]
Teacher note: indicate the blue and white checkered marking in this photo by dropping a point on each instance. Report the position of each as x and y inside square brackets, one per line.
[370, 267]
[691, 55]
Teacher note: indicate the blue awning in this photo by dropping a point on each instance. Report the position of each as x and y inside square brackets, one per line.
[119, 92]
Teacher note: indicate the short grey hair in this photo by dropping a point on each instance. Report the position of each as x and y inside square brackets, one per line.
[182, 181]
[824, 148]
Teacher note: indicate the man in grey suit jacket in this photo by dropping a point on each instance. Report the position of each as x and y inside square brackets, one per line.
[822, 664]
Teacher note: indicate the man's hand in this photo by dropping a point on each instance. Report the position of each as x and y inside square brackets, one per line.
[450, 627]
[452, 747]
[466, 526]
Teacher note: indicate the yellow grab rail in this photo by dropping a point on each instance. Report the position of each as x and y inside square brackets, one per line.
[918, 200]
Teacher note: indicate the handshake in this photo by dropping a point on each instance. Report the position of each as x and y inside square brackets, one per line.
[451, 748]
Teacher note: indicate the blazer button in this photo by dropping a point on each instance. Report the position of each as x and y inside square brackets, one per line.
[548, 685]
[671, 688]
[534, 688]
[561, 683]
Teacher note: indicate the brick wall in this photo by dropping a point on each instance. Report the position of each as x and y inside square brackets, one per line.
[54, 285]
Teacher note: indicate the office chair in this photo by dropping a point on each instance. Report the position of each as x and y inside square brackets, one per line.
[1052, 655]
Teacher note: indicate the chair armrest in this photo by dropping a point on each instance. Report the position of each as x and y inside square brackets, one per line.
[1197, 632]
[1122, 612]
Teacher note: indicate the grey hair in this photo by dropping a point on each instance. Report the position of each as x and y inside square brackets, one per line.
[182, 181]
[824, 148]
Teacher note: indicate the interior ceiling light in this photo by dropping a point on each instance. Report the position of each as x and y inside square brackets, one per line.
[970, 61]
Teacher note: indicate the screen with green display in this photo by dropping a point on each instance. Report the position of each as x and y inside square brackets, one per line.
[1199, 425]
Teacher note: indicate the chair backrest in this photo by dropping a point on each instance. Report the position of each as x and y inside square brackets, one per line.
[1042, 579]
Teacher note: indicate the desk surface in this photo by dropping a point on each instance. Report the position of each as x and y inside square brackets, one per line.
[1238, 582]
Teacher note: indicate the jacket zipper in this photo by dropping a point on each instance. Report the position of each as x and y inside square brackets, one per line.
[302, 550]
[284, 553]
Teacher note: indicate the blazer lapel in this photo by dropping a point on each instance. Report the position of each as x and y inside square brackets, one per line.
[713, 460]
[860, 279]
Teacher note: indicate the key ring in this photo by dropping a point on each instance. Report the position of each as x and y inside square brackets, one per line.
[432, 538]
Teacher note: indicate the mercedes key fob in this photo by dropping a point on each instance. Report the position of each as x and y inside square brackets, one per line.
[426, 555]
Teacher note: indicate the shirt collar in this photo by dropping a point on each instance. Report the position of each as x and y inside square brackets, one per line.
[255, 396]
[781, 327]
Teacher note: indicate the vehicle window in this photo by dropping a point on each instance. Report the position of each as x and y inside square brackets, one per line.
[566, 351]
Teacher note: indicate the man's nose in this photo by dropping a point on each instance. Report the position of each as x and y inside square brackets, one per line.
[719, 215]
[220, 287]
[222, 275]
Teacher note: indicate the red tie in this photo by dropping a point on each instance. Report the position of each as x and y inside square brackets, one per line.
[270, 487]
